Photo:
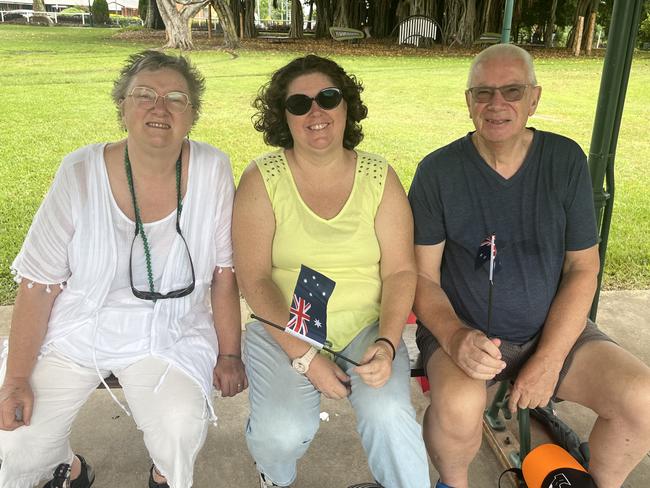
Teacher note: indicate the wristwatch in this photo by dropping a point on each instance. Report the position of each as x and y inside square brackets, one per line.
[301, 364]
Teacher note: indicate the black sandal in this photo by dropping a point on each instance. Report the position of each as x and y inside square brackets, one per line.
[61, 477]
[152, 483]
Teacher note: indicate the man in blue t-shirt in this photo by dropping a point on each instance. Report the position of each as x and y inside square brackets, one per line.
[506, 246]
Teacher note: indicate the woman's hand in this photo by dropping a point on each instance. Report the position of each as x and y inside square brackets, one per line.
[16, 404]
[229, 375]
[376, 365]
[328, 378]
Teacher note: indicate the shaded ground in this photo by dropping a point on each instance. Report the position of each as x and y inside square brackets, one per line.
[368, 47]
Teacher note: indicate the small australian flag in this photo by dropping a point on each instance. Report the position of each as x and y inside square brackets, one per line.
[487, 252]
[308, 312]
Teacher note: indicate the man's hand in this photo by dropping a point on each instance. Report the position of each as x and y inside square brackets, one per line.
[478, 356]
[16, 403]
[328, 378]
[376, 365]
[229, 376]
[535, 383]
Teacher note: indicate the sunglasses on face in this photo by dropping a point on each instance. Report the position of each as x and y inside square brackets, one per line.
[510, 93]
[327, 99]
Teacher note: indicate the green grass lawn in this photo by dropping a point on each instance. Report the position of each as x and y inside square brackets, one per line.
[57, 82]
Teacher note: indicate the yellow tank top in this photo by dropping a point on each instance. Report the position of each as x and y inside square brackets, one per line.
[343, 248]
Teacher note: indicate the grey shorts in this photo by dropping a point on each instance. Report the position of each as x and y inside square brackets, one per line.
[515, 355]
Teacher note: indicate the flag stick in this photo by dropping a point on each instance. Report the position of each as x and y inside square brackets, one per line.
[493, 255]
[489, 310]
[284, 329]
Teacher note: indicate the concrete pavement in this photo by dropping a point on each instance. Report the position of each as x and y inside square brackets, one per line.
[113, 445]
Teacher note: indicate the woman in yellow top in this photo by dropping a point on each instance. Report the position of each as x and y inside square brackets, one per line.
[318, 202]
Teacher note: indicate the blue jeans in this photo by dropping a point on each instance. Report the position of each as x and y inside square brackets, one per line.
[285, 409]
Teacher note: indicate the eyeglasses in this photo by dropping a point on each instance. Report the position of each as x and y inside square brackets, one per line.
[327, 99]
[154, 295]
[510, 93]
[139, 230]
[145, 97]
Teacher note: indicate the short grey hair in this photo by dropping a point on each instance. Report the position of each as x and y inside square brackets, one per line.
[151, 60]
[509, 51]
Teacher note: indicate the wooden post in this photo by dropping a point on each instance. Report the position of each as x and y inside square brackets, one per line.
[577, 41]
[241, 25]
[209, 21]
[590, 32]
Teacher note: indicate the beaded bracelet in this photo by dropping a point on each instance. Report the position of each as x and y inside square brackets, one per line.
[387, 341]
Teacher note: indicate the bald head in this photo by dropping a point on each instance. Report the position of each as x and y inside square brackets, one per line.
[503, 51]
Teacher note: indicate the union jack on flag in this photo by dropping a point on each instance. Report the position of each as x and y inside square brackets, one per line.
[487, 251]
[308, 310]
[299, 317]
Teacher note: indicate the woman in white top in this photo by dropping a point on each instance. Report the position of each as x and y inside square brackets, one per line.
[126, 269]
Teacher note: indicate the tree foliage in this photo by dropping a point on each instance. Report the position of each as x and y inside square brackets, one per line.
[462, 21]
[99, 11]
[644, 29]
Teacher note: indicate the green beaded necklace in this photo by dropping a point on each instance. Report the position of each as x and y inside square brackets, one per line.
[139, 227]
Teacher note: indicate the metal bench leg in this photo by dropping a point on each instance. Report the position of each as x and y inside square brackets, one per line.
[491, 414]
[523, 416]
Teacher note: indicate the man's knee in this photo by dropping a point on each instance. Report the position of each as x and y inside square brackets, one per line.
[609, 380]
[632, 406]
[458, 411]
[457, 401]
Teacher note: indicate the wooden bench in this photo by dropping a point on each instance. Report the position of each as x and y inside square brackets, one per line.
[489, 38]
[346, 34]
[417, 28]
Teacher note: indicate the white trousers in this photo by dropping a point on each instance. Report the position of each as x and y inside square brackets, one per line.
[172, 415]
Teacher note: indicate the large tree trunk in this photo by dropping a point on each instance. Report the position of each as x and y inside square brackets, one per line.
[341, 14]
[417, 7]
[583, 9]
[590, 32]
[381, 18]
[469, 22]
[492, 16]
[550, 25]
[250, 30]
[311, 14]
[177, 22]
[403, 10]
[453, 26]
[357, 14]
[297, 18]
[227, 22]
[323, 18]
[38, 6]
[154, 20]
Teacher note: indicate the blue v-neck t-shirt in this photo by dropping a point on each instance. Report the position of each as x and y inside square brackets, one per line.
[543, 210]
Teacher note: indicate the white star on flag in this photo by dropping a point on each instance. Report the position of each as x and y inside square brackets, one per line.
[317, 323]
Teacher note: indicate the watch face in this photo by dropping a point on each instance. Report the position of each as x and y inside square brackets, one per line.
[299, 366]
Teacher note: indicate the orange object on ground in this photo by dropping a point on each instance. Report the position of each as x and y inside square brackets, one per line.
[550, 466]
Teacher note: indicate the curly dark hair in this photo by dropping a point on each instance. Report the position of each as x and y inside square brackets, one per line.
[155, 60]
[270, 118]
